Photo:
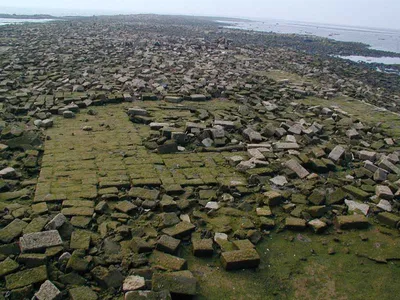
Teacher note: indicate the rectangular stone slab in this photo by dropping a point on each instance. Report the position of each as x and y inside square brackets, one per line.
[336, 153]
[356, 192]
[352, 222]
[240, 259]
[40, 240]
[12, 230]
[286, 146]
[180, 230]
[167, 261]
[8, 266]
[182, 282]
[297, 168]
[77, 203]
[78, 211]
[26, 277]
[389, 219]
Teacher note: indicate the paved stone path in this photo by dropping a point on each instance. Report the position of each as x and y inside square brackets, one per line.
[80, 165]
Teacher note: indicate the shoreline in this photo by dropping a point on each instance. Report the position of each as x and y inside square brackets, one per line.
[280, 29]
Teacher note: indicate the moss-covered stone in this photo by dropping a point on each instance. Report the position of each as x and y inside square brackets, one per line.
[180, 230]
[12, 230]
[8, 266]
[80, 239]
[356, 192]
[336, 197]
[240, 259]
[352, 222]
[167, 261]
[26, 277]
[182, 282]
[389, 219]
[82, 293]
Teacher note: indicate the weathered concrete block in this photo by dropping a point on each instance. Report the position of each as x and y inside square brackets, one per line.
[132, 283]
[295, 223]
[352, 222]
[336, 153]
[182, 282]
[26, 277]
[56, 222]
[40, 240]
[389, 219]
[167, 244]
[240, 259]
[202, 247]
[180, 230]
[82, 292]
[384, 192]
[12, 230]
[48, 291]
[167, 261]
[297, 168]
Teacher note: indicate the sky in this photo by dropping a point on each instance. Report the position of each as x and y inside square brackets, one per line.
[366, 13]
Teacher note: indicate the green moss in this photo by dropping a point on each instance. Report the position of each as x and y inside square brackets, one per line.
[26, 277]
[8, 266]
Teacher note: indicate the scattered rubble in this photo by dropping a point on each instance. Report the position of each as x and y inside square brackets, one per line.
[119, 154]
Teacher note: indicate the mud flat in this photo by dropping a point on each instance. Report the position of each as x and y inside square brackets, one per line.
[151, 157]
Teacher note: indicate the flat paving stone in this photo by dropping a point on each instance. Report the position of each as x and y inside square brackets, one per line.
[78, 211]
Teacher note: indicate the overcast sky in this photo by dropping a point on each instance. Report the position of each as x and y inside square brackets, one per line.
[372, 13]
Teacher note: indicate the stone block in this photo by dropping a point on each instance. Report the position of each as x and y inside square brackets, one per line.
[167, 244]
[48, 291]
[26, 277]
[182, 282]
[295, 223]
[389, 219]
[352, 222]
[180, 230]
[240, 259]
[167, 261]
[202, 247]
[40, 240]
[12, 230]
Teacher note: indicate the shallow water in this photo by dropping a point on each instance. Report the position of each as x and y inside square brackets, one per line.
[5, 21]
[368, 59]
[377, 38]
